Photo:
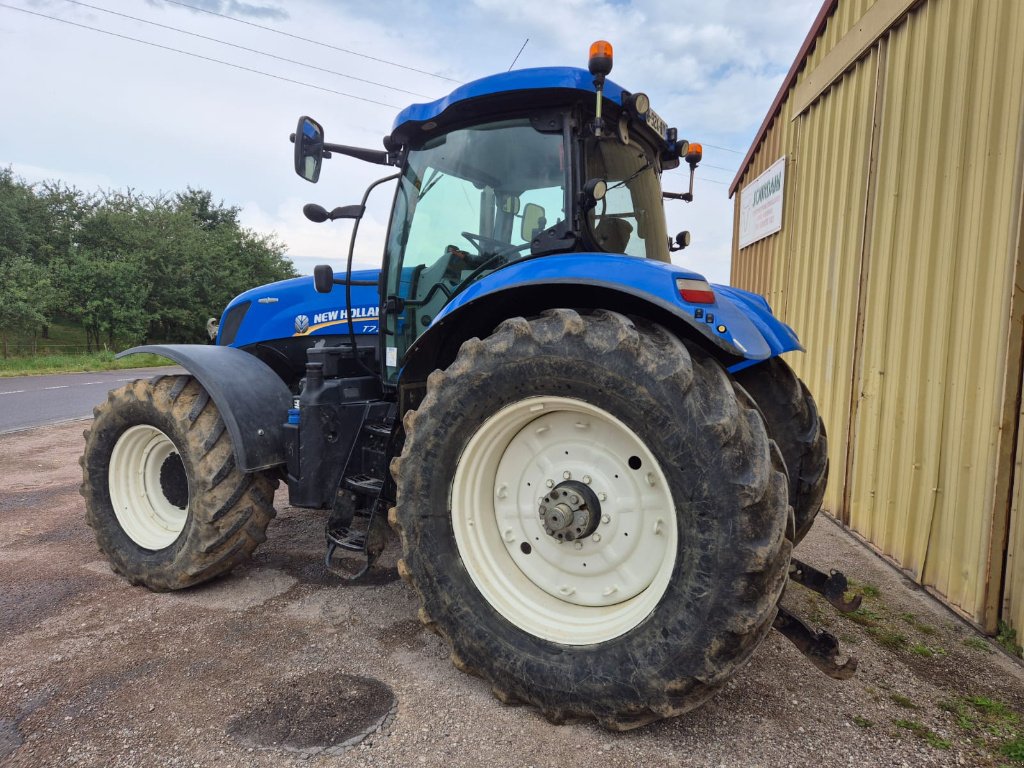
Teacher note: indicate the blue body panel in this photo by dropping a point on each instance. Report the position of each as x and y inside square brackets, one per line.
[751, 331]
[539, 78]
[294, 308]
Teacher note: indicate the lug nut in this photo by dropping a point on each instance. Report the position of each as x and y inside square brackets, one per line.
[597, 537]
[602, 496]
[579, 545]
[605, 519]
[550, 483]
[567, 475]
[574, 499]
[586, 479]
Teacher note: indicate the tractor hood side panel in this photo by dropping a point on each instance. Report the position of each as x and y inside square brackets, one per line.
[293, 309]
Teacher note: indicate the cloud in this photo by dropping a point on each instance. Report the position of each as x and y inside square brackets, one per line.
[232, 8]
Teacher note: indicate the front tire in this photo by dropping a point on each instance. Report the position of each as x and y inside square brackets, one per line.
[163, 496]
[641, 598]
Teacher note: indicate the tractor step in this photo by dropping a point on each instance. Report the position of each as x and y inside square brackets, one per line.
[364, 484]
[832, 587]
[344, 538]
[367, 539]
[820, 647]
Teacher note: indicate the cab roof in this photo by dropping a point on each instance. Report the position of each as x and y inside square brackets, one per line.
[538, 78]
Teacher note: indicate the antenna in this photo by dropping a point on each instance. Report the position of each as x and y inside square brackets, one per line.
[518, 55]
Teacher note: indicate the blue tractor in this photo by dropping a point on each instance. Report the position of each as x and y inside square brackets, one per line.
[597, 463]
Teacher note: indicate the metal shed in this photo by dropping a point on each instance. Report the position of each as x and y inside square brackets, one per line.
[899, 264]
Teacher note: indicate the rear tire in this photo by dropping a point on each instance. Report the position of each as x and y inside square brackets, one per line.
[162, 493]
[794, 424]
[655, 428]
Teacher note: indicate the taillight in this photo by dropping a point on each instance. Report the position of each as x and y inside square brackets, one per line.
[695, 291]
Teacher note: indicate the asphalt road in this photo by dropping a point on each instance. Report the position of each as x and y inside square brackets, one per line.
[32, 401]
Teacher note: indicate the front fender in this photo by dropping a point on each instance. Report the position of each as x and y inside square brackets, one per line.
[251, 398]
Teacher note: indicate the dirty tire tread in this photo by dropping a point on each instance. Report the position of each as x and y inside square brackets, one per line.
[794, 423]
[229, 510]
[685, 658]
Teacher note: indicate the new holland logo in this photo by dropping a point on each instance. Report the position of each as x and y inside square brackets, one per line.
[301, 323]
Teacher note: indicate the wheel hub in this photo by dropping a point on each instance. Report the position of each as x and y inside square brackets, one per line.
[570, 511]
[174, 481]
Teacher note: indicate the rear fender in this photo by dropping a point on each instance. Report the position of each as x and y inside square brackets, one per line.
[251, 398]
[738, 328]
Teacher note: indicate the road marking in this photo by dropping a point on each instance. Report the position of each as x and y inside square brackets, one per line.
[13, 392]
[59, 386]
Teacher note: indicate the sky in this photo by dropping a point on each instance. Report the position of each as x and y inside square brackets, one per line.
[102, 111]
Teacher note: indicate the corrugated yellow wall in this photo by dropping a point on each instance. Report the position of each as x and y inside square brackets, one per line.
[927, 429]
[920, 247]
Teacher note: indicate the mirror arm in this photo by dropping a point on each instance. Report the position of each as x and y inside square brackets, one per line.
[378, 156]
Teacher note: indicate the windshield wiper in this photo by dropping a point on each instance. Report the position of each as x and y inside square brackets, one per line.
[639, 170]
[435, 176]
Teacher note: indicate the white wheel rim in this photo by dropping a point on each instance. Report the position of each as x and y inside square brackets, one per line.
[145, 514]
[572, 592]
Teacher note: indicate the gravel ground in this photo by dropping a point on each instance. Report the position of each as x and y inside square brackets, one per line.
[96, 672]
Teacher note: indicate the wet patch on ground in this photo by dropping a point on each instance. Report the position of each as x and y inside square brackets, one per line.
[326, 713]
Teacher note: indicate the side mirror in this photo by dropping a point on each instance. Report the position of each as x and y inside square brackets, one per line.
[309, 148]
[534, 221]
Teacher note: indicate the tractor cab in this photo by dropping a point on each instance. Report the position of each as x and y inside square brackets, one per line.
[512, 167]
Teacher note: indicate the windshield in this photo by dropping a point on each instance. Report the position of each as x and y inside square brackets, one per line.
[468, 202]
[631, 217]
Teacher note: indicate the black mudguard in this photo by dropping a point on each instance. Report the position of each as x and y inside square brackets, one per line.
[251, 398]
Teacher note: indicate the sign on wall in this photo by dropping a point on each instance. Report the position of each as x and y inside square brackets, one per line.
[761, 204]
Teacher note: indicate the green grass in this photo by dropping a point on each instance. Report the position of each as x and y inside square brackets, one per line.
[862, 722]
[920, 626]
[859, 588]
[1007, 638]
[924, 733]
[978, 644]
[97, 361]
[927, 651]
[984, 717]
[1014, 749]
[886, 638]
[863, 616]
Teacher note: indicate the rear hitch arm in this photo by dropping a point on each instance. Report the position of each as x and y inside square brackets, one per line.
[820, 647]
[832, 587]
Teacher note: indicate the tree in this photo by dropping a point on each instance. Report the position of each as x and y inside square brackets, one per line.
[23, 289]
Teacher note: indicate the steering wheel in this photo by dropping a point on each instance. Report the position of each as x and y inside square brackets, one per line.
[501, 254]
[491, 246]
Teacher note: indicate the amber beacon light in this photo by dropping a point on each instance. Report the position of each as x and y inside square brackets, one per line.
[600, 58]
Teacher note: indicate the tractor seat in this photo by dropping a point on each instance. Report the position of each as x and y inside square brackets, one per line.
[613, 234]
